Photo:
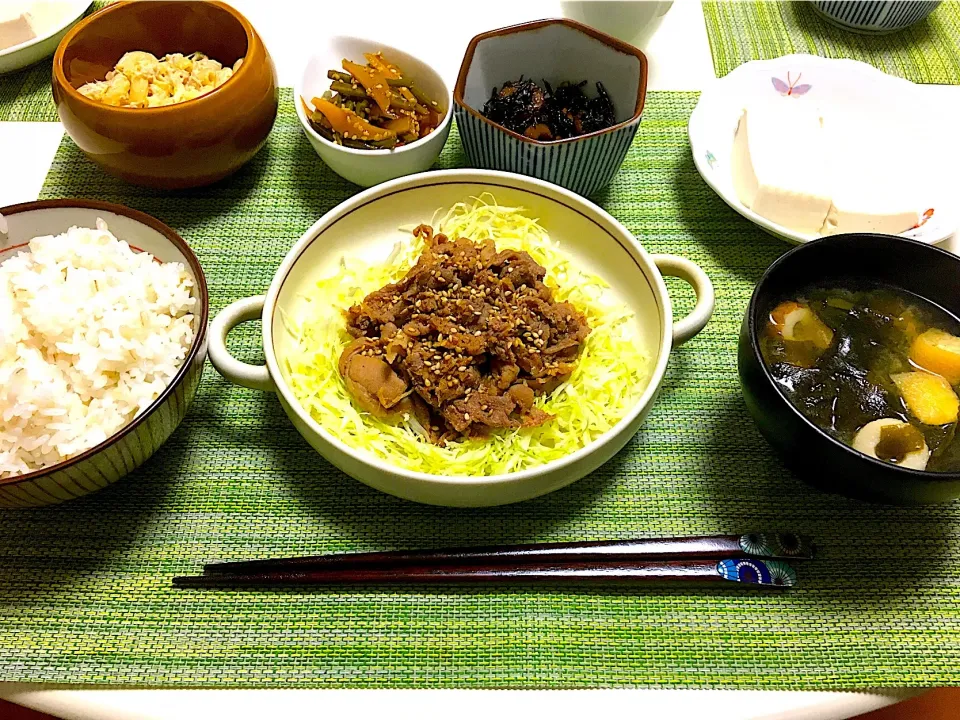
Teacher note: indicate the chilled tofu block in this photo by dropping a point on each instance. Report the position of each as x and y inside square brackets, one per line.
[15, 25]
[860, 214]
[869, 191]
[780, 165]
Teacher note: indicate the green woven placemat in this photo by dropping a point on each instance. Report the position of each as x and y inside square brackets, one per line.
[85, 592]
[927, 52]
[25, 96]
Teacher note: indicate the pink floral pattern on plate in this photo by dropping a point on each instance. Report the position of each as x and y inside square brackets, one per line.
[790, 87]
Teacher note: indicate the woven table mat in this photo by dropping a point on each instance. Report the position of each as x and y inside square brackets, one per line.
[25, 95]
[927, 52]
[85, 592]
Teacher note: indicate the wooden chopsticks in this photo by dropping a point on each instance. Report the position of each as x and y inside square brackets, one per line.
[753, 558]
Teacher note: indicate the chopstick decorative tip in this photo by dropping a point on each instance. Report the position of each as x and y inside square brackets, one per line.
[774, 573]
[783, 545]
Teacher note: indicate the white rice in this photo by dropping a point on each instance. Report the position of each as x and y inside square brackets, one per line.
[91, 333]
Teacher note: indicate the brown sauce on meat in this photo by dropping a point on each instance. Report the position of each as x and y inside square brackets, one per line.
[463, 343]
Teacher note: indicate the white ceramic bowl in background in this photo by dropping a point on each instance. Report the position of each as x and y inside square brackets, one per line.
[368, 226]
[370, 167]
[132, 445]
[924, 134]
[632, 22]
[59, 16]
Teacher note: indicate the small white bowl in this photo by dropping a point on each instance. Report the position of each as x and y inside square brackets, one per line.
[64, 15]
[368, 226]
[371, 167]
[836, 85]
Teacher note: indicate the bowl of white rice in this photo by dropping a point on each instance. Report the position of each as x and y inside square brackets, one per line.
[103, 316]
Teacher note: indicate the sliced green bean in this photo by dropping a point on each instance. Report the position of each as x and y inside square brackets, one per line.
[399, 102]
[318, 118]
[421, 98]
[417, 92]
[401, 82]
[335, 137]
[370, 144]
[324, 132]
[347, 90]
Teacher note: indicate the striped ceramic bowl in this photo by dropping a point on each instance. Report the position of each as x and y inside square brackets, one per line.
[130, 447]
[878, 17]
[555, 51]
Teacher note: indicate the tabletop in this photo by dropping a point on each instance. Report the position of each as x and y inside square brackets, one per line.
[680, 59]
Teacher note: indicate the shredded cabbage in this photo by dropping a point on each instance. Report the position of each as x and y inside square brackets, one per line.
[611, 372]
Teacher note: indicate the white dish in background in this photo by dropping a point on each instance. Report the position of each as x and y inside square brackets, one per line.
[834, 85]
[56, 17]
[371, 167]
[632, 22]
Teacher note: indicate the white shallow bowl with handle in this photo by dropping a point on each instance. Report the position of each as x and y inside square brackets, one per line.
[924, 136]
[368, 226]
[370, 167]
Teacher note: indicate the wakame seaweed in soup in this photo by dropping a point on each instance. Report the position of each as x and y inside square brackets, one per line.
[876, 367]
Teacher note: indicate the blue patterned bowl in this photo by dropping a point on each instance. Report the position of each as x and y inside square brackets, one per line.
[555, 51]
[130, 447]
[875, 18]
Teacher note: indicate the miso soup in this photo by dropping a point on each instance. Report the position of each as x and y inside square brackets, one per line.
[878, 368]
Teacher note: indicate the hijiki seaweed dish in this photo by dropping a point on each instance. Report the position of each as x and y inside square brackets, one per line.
[478, 348]
[544, 113]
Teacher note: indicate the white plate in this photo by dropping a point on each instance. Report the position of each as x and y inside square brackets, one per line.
[832, 84]
[63, 15]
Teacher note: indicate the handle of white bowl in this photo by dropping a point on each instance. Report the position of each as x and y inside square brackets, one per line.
[689, 272]
[255, 377]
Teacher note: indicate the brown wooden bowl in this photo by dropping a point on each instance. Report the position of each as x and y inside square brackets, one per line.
[189, 144]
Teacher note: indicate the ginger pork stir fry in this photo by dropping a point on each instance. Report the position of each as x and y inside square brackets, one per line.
[463, 343]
